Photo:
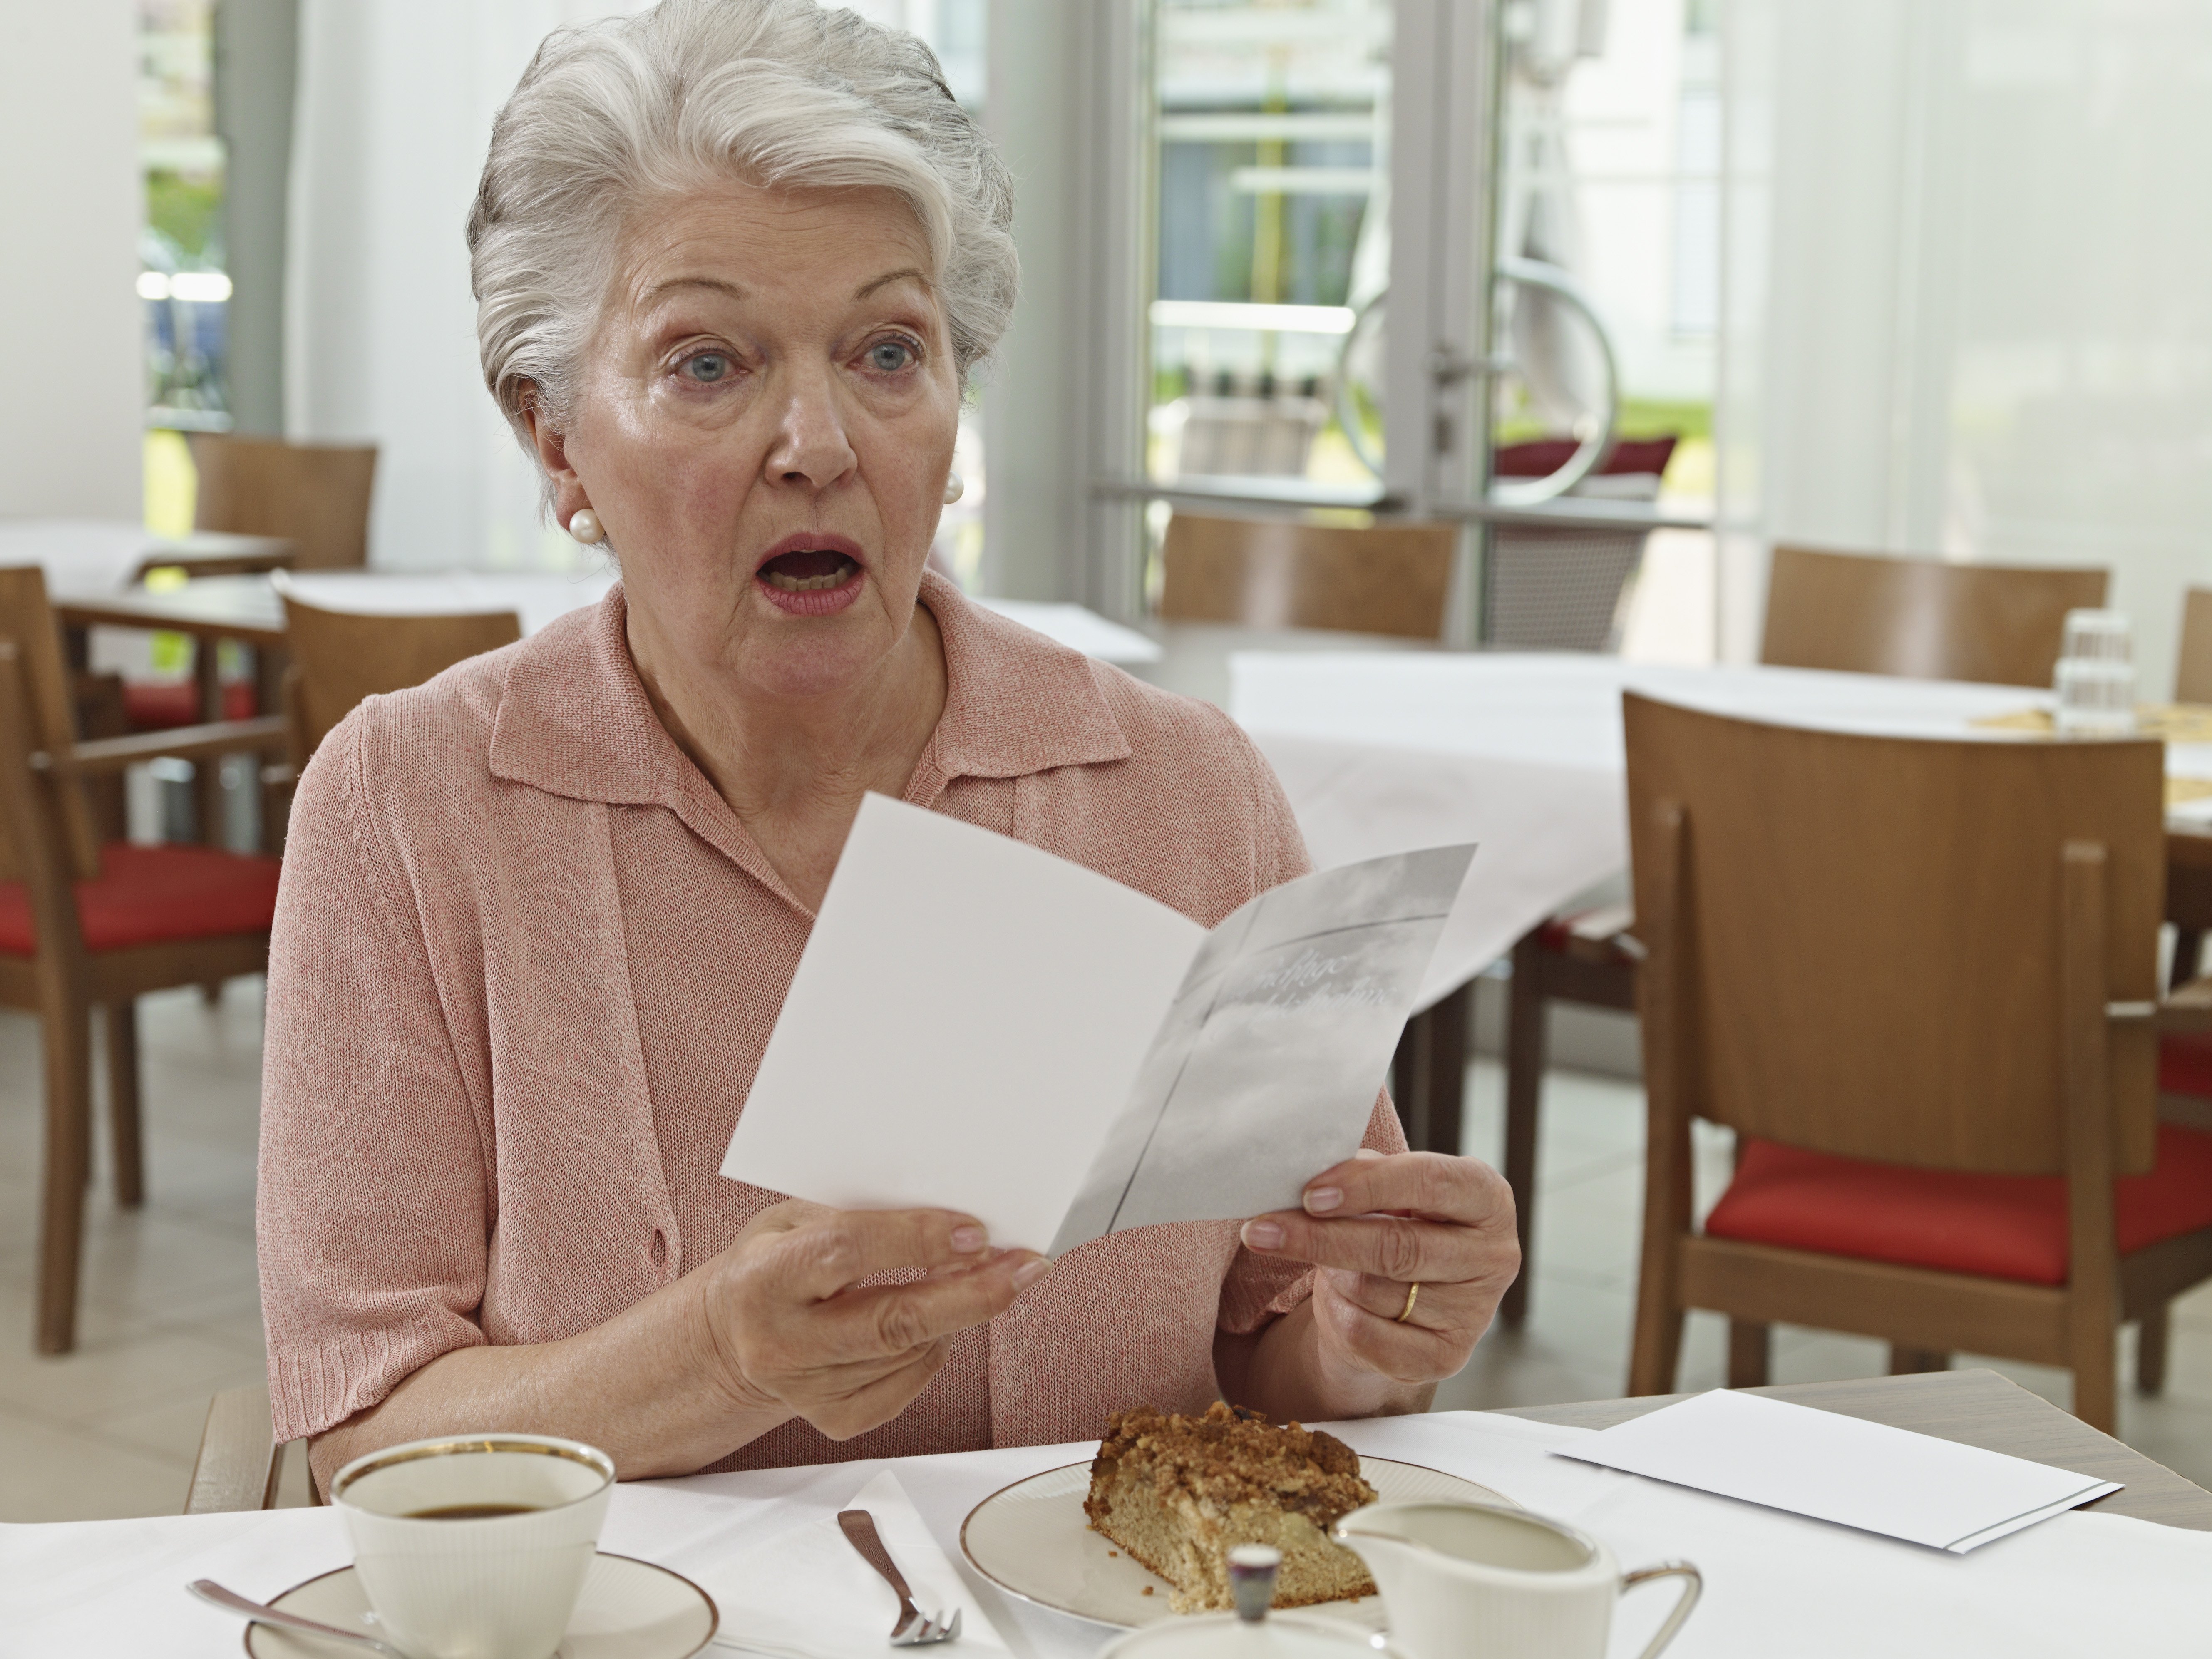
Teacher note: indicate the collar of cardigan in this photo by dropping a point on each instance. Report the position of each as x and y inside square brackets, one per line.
[574, 719]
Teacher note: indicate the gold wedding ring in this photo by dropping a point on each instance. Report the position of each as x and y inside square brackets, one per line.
[1406, 1312]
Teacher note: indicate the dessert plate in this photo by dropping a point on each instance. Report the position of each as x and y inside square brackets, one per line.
[1033, 1541]
[629, 1609]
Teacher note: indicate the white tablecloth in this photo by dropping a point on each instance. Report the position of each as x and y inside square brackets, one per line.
[1385, 751]
[538, 599]
[1774, 1585]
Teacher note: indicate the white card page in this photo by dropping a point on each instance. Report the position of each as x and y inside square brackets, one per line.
[1832, 1468]
[1266, 1068]
[969, 1015]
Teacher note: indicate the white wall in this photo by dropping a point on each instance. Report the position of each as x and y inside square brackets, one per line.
[73, 413]
[1971, 290]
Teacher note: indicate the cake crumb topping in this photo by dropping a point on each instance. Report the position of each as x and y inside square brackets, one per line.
[1232, 1456]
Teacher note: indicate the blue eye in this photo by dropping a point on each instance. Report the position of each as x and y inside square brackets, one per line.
[707, 367]
[889, 356]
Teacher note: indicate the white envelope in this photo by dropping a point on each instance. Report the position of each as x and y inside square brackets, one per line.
[1839, 1469]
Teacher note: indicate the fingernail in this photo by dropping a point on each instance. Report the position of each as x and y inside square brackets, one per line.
[1321, 1199]
[1367, 1151]
[1264, 1235]
[968, 1239]
[1030, 1272]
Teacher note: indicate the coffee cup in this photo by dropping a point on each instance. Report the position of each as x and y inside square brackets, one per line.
[1479, 1581]
[474, 1546]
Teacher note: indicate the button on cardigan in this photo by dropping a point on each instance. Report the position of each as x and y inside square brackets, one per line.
[526, 961]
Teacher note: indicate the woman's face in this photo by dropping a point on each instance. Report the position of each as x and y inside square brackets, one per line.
[764, 424]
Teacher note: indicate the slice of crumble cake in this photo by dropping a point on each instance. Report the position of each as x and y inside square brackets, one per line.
[1179, 1492]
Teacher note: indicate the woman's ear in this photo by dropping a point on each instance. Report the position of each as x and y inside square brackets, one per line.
[552, 447]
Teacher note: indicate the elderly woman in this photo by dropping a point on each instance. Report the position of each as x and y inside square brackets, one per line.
[735, 261]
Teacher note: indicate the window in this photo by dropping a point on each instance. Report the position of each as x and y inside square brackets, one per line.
[1272, 125]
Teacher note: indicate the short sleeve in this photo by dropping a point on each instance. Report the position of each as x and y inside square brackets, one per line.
[373, 1208]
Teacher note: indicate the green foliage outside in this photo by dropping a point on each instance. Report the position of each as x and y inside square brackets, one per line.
[187, 210]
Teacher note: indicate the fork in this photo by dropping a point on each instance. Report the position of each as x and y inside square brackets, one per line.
[913, 1629]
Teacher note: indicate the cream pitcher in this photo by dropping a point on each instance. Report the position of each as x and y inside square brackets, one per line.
[1475, 1581]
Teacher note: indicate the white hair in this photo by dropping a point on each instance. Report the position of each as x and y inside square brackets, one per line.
[613, 115]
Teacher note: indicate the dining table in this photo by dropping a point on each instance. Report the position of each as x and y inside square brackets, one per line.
[1523, 753]
[91, 555]
[2131, 1574]
[250, 609]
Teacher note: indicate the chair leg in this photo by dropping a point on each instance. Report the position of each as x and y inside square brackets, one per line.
[1750, 1344]
[2150, 1351]
[2188, 950]
[122, 1103]
[67, 1042]
[1911, 1362]
[1524, 1086]
[2096, 1379]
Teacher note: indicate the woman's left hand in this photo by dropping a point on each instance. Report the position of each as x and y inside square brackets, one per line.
[1375, 1226]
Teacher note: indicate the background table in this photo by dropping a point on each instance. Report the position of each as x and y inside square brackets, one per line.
[248, 609]
[91, 555]
[1383, 752]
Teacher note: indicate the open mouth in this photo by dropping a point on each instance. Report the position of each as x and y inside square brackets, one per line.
[808, 570]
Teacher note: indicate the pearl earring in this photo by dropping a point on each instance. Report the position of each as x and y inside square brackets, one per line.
[584, 526]
[955, 488]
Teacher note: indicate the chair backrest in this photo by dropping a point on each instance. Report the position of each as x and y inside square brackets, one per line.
[1923, 618]
[1278, 573]
[1861, 937]
[2192, 667]
[315, 495]
[28, 619]
[340, 657]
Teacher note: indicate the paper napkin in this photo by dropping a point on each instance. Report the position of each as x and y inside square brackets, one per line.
[787, 1583]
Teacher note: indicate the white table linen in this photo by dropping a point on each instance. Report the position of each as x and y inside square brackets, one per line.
[1385, 751]
[79, 556]
[539, 598]
[1774, 1583]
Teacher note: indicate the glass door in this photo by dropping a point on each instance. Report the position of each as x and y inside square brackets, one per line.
[1271, 121]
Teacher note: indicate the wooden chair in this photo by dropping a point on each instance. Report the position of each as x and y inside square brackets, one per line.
[314, 495]
[2193, 666]
[84, 925]
[1918, 979]
[341, 657]
[1922, 618]
[1279, 573]
[1858, 613]
[240, 1466]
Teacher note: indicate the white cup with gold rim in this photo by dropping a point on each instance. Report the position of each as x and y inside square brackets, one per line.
[474, 1546]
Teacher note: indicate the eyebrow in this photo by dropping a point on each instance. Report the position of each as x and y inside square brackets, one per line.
[715, 282]
[902, 274]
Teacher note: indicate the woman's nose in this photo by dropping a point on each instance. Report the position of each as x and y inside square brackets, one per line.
[810, 449]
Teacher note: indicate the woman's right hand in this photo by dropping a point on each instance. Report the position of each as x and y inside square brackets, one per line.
[790, 1326]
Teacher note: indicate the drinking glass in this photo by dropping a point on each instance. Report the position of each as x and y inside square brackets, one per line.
[2095, 678]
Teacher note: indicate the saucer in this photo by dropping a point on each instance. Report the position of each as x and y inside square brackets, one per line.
[629, 1609]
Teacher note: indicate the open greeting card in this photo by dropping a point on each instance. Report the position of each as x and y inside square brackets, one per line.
[978, 1025]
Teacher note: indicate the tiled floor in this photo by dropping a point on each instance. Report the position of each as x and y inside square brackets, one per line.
[171, 1314]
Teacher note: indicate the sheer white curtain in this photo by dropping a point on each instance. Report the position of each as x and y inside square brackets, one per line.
[395, 107]
[1969, 291]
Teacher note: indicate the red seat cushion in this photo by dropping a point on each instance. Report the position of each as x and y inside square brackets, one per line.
[155, 895]
[1996, 1226]
[2184, 1063]
[158, 705]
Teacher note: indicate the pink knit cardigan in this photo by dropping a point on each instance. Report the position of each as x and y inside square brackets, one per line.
[526, 960]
